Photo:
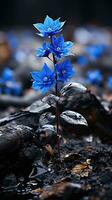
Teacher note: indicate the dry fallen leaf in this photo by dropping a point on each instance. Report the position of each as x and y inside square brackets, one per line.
[83, 169]
[49, 149]
[57, 190]
[37, 191]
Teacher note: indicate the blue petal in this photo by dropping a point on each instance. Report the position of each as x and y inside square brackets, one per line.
[48, 21]
[35, 85]
[42, 52]
[67, 67]
[60, 39]
[41, 34]
[39, 26]
[47, 70]
[45, 89]
[68, 44]
[54, 41]
[62, 24]
[36, 76]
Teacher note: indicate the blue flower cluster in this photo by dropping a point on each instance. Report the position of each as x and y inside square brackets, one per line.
[91, 53]
[58, 48]
[94, 77]
[8, 85]
[95, 51]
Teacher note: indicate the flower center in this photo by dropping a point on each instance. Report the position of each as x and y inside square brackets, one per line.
[58, 48]
[45, 78]
[64, 71]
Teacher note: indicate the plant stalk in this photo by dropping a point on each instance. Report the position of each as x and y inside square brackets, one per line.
[57, 110]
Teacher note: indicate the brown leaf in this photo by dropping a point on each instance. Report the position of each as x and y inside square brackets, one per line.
[57, 190]
[37, 191]
[49, 149]
[83, 169]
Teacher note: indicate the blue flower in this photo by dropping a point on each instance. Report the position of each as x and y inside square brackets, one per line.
[95, 51]
[64, 71]
[94, 77]
[49, 27]
[43, 51]
[7, 90]
[16, 88]
[43, 80]
[109, 83]
[60, 48]
[82, 61]
[7, 75]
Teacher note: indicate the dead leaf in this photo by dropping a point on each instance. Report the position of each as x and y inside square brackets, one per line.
[37, 191]
[57, 190]
[83, 169]
[49, 149]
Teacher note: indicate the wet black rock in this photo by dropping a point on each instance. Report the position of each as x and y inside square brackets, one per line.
[47, 118]
[30, 136]
[9, 183]
[47, 134]
[38, 107]
[12, 137]
[51, 100]
[38, 171]
[73, 89]
[30, 153]
[106, 177]
[72, 118]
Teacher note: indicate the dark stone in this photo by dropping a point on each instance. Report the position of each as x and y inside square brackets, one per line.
[9, 181]
[72, 118]
[12, 136]
[38, 107]
[47, 118]
[73, 89]
[106, 177]
[51, 100]
[47, 135]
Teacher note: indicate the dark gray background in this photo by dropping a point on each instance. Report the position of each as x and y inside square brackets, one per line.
[26, 12]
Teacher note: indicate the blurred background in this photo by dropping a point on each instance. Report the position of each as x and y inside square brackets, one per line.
[27, 12]
[88, 25]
